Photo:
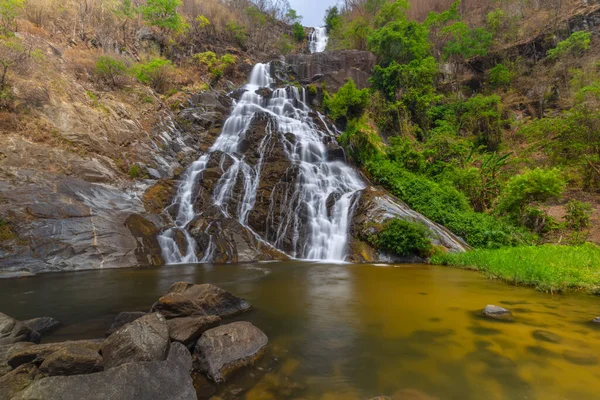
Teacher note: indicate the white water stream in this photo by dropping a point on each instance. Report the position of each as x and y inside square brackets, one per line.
[317, 41]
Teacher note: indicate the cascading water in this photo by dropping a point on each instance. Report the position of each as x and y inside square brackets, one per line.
[317, 207]
[318, 40]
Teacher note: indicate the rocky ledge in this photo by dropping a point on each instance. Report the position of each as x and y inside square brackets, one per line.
[172, 352]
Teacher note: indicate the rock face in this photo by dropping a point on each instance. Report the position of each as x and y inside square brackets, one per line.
[155, 380]
[145, 339]
[222, 350]
[499, 313]
[187, 330]
[42, 325]
[333, 68]
[13, 331]
[122, 319]
[374, 208]
[186, 299]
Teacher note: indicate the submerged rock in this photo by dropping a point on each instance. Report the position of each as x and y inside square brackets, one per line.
[186, 299]
[155, 380]
[42, 325]
[579, 358]
[546, 336]
[123, 319]
[145, 339]
[225, 349]
[499, 313]
[13, 331]
[187, 330]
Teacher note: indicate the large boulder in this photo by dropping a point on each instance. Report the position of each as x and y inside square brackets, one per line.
[6, 351]
[187, 330]
[186, 299]
[72, 360]
[145, 339]
[123, 319]
[16, 380]
[37, 354]
[13, 331]
[155, 380]
[42, 325]
[223, 350]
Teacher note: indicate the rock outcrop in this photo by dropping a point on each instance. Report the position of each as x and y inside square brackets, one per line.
[42, 325]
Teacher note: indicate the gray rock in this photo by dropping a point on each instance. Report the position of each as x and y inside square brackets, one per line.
[145, 339]
[42, 325]
[596, 321]
[186, 299]
[13, 331]
[189, 329]
[499, 313]
[16, 380]
[5, 352]
[155, 380]
[546, 336]
[72, 360]
[123, 319]
[225, 349]
[36, 354]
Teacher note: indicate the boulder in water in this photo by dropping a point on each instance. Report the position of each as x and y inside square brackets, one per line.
[596, 321]
[187, 299]
[123, 319]
[42, 325]
[499, 313]
[155, 380]
[225, 349]
[13, 331]
[187, 330]
[145, 339]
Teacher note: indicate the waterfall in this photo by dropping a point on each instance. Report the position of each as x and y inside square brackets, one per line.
[318, 40]
[318, 206]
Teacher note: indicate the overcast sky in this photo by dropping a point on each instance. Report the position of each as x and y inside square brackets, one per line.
[312, 11]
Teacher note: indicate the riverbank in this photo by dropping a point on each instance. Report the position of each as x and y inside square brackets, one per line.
[548, 268]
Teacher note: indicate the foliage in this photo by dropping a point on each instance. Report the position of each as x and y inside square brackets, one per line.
[495, 20]
[578, 215]
[575, 45]
[238, 33]
[135, 171]
[332, 18]
[537, 185]
[500, 76]
[110, 70]
[154, 73]
[163, 14]
[349, 102]
[401, 41]
[298, 31]
[216, 66]
[403, 238]
[550, 268]
[465, 42]
[14, 57]
[9, 11]
[284, 45]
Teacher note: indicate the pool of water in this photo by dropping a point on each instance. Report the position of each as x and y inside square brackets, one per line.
[357, 331]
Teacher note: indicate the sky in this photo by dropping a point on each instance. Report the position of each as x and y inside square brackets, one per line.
[312, 11]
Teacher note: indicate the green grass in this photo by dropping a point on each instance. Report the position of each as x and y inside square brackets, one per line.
[550, 268]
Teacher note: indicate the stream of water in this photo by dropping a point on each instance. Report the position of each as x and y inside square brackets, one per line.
[317, 41]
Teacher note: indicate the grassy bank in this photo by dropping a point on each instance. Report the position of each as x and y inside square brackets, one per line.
[550, 268]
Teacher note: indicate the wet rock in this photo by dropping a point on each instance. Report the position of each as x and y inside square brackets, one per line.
[264, 92]
[159, 196]
[225, 349]
[499, 313]
[596, 321]
[189, 329]
[13, 331]
[546, 336]
[16, 380]
[145, 339]
[123, 319]
[42, 325]
[72, 360]
[579, 358]
[155, 380]
[37, 354]
[186, 299]
[148, 251]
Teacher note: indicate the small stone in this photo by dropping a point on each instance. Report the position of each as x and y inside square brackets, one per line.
[189, 329]
[42, 325]
[72, 360]
[596, 321]
[123, 319]
[145, 339]
[546, 336]
[499, 313]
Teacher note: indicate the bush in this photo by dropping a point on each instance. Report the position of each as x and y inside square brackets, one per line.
[578, 215]
[216, 66]
[298, 31]
[347, 103]
[466, 42]
[575, 45]
[110, 70]
[154, 73]
[403, 238]
[284, 45]
[500, 76]
[9, 11]
[135, 171]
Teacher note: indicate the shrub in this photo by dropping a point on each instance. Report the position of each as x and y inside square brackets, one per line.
[578, 215]
[135, 171]
[500, 76]
[110, 70]
[403, 238]
[163, 14]
[9, 11]
[466, 42]
[284, 45]
[574, 45]
[154, 73]
[347, 103]
[298, 31]
[238, 33]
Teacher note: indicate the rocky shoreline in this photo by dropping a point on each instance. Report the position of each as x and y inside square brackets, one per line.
[179, 350]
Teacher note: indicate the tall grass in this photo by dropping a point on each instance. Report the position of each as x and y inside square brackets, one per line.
[550, 268]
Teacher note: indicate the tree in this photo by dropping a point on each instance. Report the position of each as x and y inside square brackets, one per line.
[9, 11]
[110, 70]
[466, 42]
[163, 14]
[332, 18]
[12, 56]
